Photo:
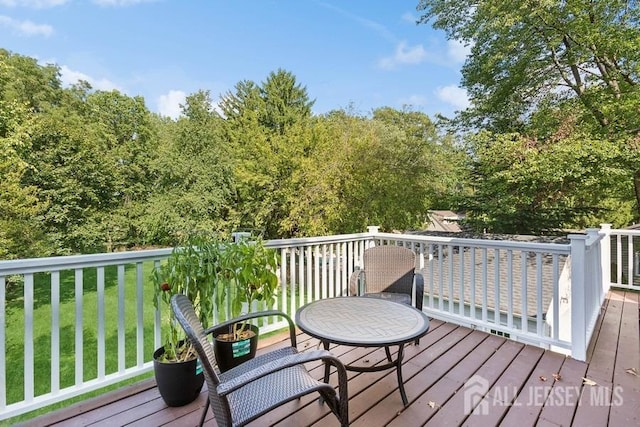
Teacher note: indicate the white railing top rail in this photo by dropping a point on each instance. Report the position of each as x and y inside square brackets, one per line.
[57, 263]
[309, 241]
[625, 232]
[559, 248]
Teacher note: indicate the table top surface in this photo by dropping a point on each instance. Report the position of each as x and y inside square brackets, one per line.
[362, 321]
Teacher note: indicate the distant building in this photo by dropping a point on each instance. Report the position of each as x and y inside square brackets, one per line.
[448, 221]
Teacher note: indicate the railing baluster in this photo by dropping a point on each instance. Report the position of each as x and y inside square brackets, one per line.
[157, 319]
[292, 280]
[79, 327]
[524, 314]
[342, 268]
[472, 282]
[121, 320]
[629, 261]
[485, 285]
[619, 264]
[140, 312]
[323, 265]
[556, 298]
[441, 281]
[461, 264]
[283, 279]
[539, 309]
[55, 332]
[101, 328]
[308, 263]
[510, 289]
[302, 286]
[496, 291]
[316, 270]
[331, 272]
[450, 277]
[28, 338]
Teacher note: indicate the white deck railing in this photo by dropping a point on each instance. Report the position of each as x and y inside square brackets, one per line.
[625, 259]
[526, 291]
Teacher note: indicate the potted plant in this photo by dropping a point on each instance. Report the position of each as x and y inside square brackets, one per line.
[247, 277]
[191, 269]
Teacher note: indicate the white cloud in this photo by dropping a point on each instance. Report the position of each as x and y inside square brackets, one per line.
[26, 28]
[35, 4]
[453, 95]
[169, 104]
[69, 77]
[457, 50]
[404, 55]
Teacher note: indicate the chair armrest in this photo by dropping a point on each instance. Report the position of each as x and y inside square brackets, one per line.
[280, 364]
[355, 284]
[265, 313]
[419, 283]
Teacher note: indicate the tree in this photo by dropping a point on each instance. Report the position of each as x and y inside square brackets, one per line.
[21, 234]
[541, 62]
[525, 51]
[126, 138]
[526, 186]
[194, 184]
[266, 125]
[24, 81]
[285, 101]
[388, 171]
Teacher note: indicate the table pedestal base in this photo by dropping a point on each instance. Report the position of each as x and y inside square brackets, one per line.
[397, 363]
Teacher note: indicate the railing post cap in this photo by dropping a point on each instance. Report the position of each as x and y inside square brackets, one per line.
[373, 229]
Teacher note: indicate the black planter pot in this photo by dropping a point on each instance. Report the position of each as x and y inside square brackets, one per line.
[179, 383]
[230, 354]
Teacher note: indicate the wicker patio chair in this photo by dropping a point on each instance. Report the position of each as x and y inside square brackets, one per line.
[389, 272]
[244, 393]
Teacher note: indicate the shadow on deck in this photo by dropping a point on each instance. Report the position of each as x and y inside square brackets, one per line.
[453, 370]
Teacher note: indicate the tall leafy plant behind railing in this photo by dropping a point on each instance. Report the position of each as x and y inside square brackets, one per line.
[191, 269]
[248, 275]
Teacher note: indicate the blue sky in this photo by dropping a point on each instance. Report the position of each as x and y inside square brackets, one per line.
[359, 54]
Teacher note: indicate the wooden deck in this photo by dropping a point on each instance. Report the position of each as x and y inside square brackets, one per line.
[453, 369]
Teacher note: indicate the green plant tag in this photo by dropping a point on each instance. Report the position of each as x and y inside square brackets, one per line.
[241, 348]
[198, 367]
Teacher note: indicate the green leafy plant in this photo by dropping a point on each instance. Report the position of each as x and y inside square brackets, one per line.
[248, 275]
[213, 272]
[191, 269]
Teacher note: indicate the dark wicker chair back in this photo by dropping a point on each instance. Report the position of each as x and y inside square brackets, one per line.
[244, 393]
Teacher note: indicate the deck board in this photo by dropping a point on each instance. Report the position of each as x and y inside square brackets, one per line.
[513, 382]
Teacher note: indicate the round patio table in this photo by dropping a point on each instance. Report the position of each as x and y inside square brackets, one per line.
[364, 322]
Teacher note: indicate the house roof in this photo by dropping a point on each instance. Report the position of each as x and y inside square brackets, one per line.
[444, 221]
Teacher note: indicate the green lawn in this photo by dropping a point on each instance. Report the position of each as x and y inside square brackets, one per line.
[42, 329]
